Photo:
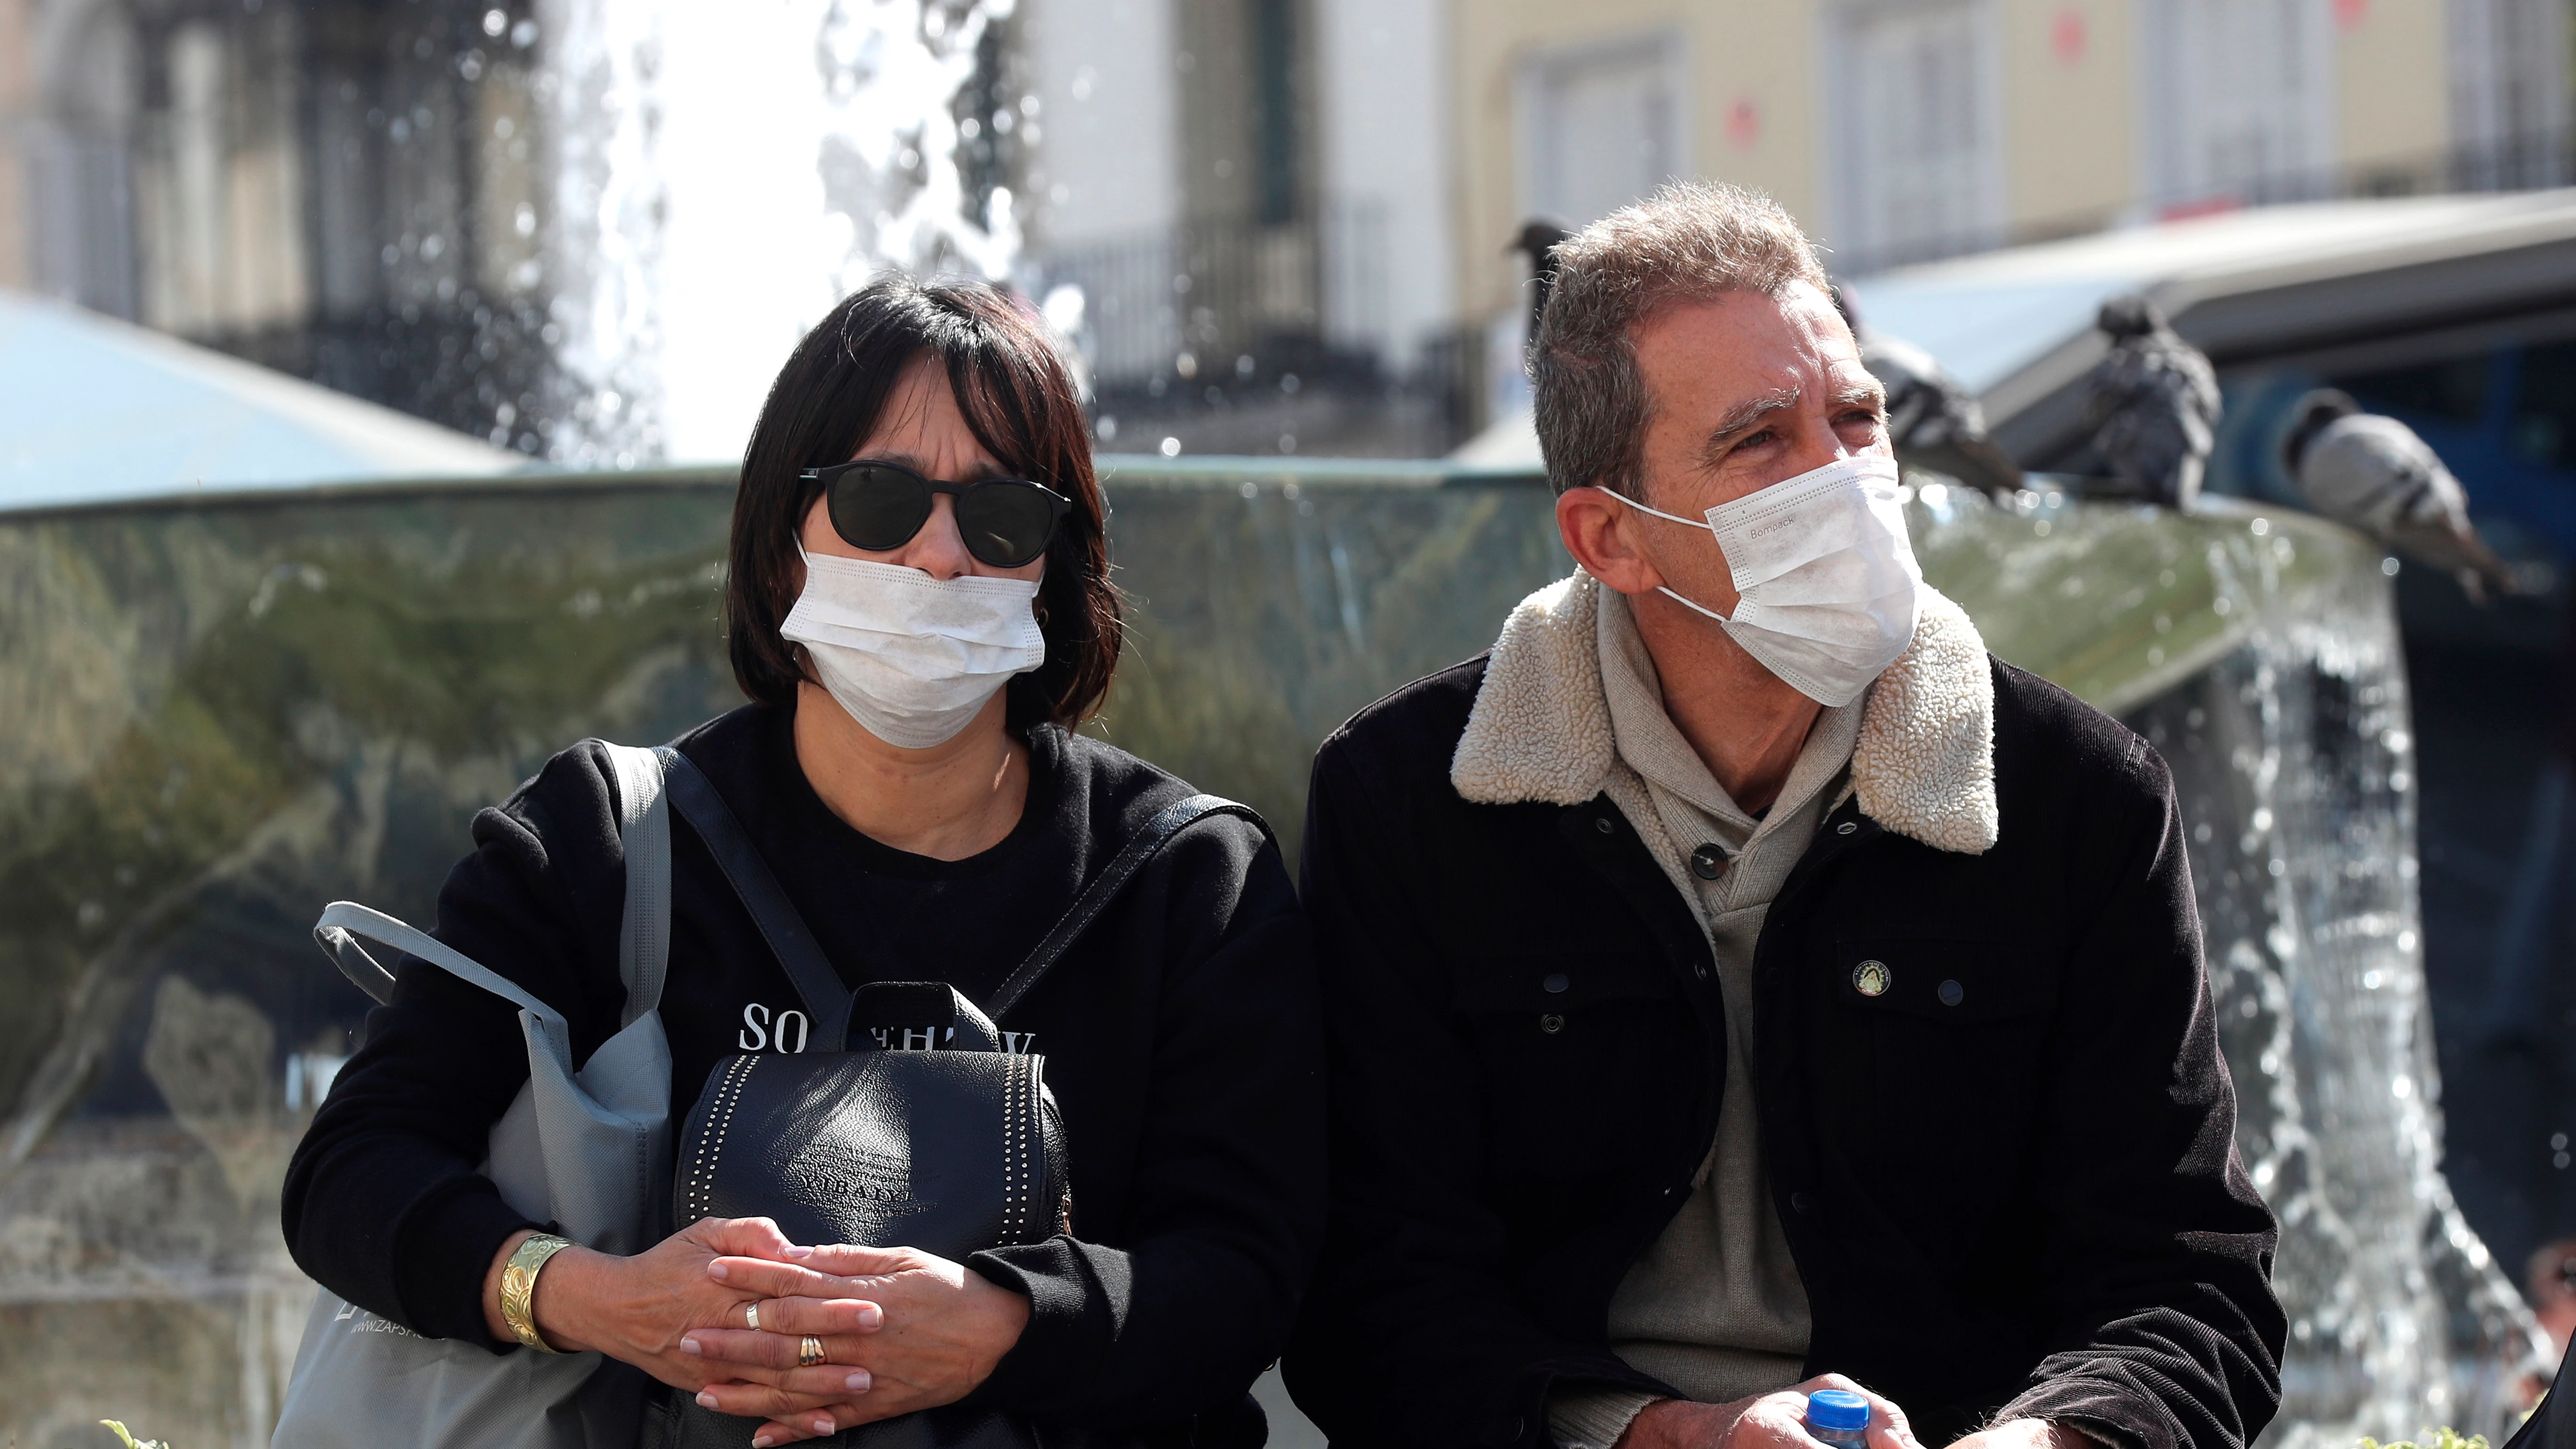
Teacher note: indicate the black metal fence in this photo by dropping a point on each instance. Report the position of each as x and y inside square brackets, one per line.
[1199, 295]
[1233, 335]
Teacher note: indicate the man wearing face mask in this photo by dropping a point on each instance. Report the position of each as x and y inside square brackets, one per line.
[1741, 983]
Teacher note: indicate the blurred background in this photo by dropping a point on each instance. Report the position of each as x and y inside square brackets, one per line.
[431, 204]
[371, 372]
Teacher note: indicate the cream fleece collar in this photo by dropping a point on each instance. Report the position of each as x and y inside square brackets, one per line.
[1924, 766]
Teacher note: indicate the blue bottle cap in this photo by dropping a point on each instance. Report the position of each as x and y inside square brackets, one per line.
[1837, 1409]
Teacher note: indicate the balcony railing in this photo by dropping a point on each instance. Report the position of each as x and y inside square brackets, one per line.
[1199, 295]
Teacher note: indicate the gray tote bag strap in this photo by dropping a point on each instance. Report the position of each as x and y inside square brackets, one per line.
[344, 921]
[644, 824]
[643, 936]
[363, 970]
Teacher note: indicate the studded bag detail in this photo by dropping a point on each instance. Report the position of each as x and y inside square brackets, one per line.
[907, 1122]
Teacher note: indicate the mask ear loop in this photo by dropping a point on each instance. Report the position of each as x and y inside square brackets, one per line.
[1697, 523]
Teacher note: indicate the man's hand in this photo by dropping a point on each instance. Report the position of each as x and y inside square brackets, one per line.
[1768, 1421]
[2026, 1434]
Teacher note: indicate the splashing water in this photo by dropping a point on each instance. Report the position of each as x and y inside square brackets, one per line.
[2260, 656]
[2399, 1317]
[723, 175]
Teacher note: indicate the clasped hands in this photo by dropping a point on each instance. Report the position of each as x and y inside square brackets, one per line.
[900, 1330]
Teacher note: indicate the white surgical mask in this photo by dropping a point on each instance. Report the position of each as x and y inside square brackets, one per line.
[913, 658]
[1824, 576]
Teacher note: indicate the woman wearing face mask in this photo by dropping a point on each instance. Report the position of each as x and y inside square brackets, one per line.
[918, 607]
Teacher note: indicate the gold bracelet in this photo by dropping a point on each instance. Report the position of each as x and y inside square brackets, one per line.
[519, 1288]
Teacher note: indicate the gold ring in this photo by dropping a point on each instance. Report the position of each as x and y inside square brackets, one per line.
[809, 1351]
[751, 1315]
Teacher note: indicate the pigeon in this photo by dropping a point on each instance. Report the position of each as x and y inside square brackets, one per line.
[1933, 421]
[2372, 473]
[2153, 403]
[1537, 241]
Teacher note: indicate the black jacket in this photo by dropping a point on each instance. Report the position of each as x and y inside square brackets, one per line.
[2016, 1193]
[1180, 1034]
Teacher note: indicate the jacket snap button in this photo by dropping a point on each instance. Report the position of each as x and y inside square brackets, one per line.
[1602, 824]
[1708, 862]
[1551, 1023]
[1950, 992]
[1847, 827]
[1556, 983]
[1802, 1203]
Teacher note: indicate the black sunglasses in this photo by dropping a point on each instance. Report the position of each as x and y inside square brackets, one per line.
[878, 507]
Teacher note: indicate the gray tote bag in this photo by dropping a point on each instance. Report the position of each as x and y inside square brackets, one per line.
[587, 1150]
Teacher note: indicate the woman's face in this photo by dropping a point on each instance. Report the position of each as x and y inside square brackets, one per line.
[923, 429]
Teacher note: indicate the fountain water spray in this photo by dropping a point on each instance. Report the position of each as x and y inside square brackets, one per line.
[2261, 656]
[722, 176]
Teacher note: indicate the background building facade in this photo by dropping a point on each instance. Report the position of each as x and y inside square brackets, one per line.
[1252, 197]
[1287, 223]
[1904, 130]
[346, 191]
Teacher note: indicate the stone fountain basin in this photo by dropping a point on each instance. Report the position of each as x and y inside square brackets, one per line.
[217, 714]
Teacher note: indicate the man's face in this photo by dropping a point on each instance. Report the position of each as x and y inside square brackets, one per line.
[1748, 390]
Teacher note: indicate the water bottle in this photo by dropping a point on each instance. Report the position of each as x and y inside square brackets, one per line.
[1839, 1417]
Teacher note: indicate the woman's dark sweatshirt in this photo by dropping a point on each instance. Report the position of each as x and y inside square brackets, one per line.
[1181, 1035]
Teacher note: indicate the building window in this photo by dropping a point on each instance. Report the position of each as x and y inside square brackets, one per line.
[1917, 136]
[1600, 126]
[2243, 97]
[2509, 91]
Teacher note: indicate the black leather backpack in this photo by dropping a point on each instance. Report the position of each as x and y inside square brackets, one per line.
[905, 1122]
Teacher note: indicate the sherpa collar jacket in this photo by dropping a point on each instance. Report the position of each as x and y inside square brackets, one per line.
[1995, 1119]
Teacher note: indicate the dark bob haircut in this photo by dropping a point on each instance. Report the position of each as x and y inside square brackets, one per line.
[1023, 407]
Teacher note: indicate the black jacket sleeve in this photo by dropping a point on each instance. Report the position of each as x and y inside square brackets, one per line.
[1416, 1272]
[1227, 1199]
[383, 1203]
[2157, 1253]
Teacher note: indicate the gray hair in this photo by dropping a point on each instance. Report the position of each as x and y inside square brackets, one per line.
[1689, 242]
